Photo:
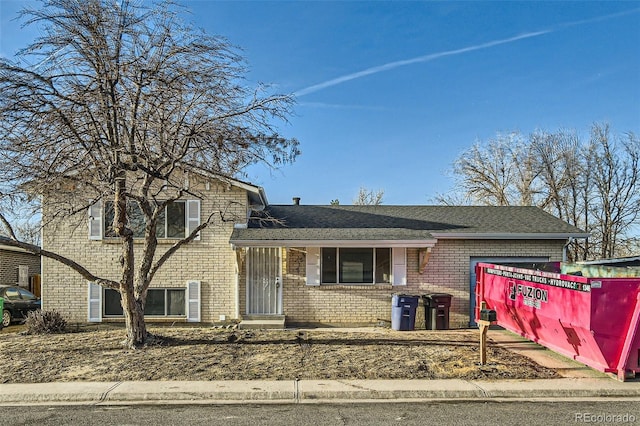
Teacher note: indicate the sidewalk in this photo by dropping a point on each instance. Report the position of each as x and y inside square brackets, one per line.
[564, 366]
[311, 391]
[577, 382]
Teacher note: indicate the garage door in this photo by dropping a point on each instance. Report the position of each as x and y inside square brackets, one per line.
[472, 276]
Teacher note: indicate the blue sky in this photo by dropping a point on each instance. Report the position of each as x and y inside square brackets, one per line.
[389, 93]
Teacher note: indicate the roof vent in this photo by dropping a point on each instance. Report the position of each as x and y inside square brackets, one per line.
[296, 201]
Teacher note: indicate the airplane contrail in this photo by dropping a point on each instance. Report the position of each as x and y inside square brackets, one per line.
[425, 58]
[433, 56]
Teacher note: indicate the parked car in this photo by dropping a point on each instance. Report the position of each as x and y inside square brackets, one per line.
[17, 303]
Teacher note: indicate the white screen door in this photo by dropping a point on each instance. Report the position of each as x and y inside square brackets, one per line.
[264, 281]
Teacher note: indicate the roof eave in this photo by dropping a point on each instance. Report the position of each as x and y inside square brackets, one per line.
[610, 261]
[257, 190]
[509, 235]
[261, 197]
[334, 243]
[16, 249]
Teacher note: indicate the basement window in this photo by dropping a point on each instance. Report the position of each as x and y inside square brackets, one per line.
[160, 302]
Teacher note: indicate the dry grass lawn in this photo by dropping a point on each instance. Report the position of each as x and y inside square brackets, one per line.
[205, 353]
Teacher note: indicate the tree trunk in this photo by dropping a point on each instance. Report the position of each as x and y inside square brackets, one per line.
[134, 319]
[132, 301]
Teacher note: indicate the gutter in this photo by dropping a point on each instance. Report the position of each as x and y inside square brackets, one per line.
[334, 243]
[508, 236]
[404, 243]
[16, 249]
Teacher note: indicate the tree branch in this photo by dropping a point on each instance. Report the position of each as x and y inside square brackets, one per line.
[64, 260]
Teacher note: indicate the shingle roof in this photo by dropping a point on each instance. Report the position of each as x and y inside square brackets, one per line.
[408, 223]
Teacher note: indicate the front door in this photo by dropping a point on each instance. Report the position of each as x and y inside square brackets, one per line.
[264, 281]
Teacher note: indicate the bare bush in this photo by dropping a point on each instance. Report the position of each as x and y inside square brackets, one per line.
[45, 322]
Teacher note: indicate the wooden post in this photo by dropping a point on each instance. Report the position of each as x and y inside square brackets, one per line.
[484, 327]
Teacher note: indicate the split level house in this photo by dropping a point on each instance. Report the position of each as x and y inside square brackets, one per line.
[299, 264]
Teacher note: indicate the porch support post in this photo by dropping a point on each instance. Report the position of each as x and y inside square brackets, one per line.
[238, 270]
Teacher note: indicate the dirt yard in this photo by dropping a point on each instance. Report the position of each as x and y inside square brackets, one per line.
[185, 353]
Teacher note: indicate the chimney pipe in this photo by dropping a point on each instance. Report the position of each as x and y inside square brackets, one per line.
[296, 201]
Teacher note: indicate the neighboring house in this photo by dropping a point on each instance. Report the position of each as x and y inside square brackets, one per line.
[618, 267]
[18, 267]
[334, 265]
[629, 261]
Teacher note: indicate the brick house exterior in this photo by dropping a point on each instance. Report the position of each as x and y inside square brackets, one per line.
[433, 250]
[448, 271]
[271, 261]
[210, 262]
[17, 266]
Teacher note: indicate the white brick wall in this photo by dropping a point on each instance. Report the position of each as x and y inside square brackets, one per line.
[446, 272]
[210, 260]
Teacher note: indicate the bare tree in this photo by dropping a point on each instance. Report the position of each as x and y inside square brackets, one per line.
[501, 172]
[24, 214]
[616, 185]
[368, 197]
[122, 102]
[594, 185]
[563, 177]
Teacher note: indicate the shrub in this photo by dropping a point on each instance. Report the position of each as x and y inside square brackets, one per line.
[45, 322]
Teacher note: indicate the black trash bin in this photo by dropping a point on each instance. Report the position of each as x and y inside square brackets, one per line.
[403, 312]
[436, 310]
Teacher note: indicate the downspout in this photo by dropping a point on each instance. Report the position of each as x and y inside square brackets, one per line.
[42, 257]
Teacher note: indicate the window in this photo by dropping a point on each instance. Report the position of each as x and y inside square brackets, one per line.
[174, 221]
[112, 306]
[178, 220]
[134, 214]
[23, 275]
[160, 302]
[12, 294]
[16, 293]
[356, 265]
[165, 302]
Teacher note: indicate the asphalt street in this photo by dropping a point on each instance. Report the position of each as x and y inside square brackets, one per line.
[354, 414]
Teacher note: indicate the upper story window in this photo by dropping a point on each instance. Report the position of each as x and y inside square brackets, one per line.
[178, 220]
[356, 265]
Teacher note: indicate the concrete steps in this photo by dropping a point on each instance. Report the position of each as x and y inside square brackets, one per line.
[254, 322]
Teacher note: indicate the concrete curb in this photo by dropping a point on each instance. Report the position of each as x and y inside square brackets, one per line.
[387, 389]
[309, 391]
[233, 390]
[76, 392]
